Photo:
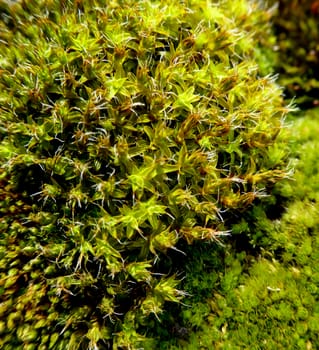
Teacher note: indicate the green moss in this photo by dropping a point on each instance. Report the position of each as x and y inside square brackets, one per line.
[267, 298]
[127, 131]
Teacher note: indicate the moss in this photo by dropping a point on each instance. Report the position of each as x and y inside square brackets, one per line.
[267, 300]
[127, 132]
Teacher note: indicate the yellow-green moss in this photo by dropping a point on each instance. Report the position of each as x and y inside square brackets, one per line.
[266, 295]
[128, 129]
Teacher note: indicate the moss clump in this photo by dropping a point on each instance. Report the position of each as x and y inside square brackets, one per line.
[124, 129]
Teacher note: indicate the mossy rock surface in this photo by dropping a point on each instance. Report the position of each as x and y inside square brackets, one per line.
[125, 130]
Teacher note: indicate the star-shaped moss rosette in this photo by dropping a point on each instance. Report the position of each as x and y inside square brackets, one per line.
[125, 127]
